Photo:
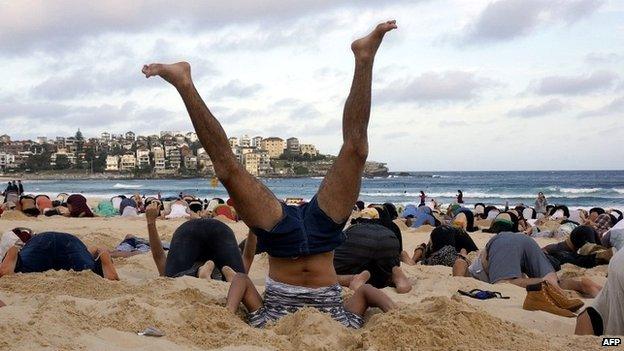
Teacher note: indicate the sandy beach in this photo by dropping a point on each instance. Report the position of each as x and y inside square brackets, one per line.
[78, 311]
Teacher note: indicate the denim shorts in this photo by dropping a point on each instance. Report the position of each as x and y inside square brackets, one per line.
[58, 251]
[303, 230]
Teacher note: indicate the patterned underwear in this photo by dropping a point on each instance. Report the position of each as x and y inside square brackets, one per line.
[281, 299]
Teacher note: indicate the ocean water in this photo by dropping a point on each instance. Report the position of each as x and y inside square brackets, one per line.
[571, 188]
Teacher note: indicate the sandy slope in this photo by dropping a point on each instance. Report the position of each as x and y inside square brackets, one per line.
[68, 310]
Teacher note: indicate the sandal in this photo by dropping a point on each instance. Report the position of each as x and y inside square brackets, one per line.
[483, 294]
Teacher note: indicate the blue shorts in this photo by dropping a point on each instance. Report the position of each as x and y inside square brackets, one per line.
[303, 230]
[58, 251]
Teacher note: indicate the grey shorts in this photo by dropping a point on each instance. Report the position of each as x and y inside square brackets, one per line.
[510, 255]
[281, 299]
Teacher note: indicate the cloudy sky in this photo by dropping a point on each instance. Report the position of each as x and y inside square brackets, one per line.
[461, 85]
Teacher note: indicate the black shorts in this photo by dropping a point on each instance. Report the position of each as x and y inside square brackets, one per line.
[371, 247]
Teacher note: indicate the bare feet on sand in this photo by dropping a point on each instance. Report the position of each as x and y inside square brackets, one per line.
[228, 273]
[366, 47]
[359, 280]
[178, 74]
[205, 271]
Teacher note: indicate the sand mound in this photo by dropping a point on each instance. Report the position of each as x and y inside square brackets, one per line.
[309, 329]
[13, 215]
[81, 311]
[572, 271]
[443, 323]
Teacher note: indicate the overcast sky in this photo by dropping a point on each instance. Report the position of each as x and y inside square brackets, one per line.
[461, 85]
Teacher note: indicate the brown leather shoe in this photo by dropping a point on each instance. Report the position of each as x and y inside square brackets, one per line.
[560, 299]
[538, 299]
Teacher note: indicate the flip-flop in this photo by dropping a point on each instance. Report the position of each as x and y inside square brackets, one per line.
[482, 294]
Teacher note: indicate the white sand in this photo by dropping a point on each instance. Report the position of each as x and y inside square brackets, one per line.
[68, 310]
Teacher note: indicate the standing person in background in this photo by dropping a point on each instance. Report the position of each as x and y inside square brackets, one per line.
[423, 197]
[541, 203]
[20, 188]
[5, 192]
[460, 197]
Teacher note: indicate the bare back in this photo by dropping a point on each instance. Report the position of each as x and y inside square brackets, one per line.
[312, 271]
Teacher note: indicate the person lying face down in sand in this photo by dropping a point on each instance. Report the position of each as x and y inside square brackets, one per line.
[196, 247]
[373, 247]
[446, 244]
[299, 240]
[508, 257]
[58, 251]
[567, 251]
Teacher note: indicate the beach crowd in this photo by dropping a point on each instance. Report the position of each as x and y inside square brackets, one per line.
[318, 246]
[370, 256]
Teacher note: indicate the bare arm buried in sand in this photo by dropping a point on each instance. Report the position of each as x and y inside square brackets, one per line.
[105, 258]
[7, 267]
[158, 253]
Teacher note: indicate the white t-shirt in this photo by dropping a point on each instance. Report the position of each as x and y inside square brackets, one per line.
[8, 240]
[609, 302]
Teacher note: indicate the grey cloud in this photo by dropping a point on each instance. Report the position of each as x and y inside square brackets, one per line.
[451, 123]
[329, 72]
[88, 81]
[229, 116]
[396, 135]
[435, 87]
[296, 109]
[575, 85]
[305, 112]
[302, 33]
[509, 19]
[595, 58]
[614, 107]
[550, 106]
[235, 88]
[55, 24]
[285, 103]
[44, 118]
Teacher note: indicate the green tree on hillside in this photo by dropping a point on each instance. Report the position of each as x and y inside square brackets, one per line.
[62, 162]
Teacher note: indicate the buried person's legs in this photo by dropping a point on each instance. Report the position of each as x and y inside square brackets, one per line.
[256, 205]
[341, 186]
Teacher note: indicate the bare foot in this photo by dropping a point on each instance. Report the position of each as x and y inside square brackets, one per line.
[401, 283]
[366, 47]
[2, 304]
[228, 273]
[359, 280]
[205, 271]
[178, 74]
